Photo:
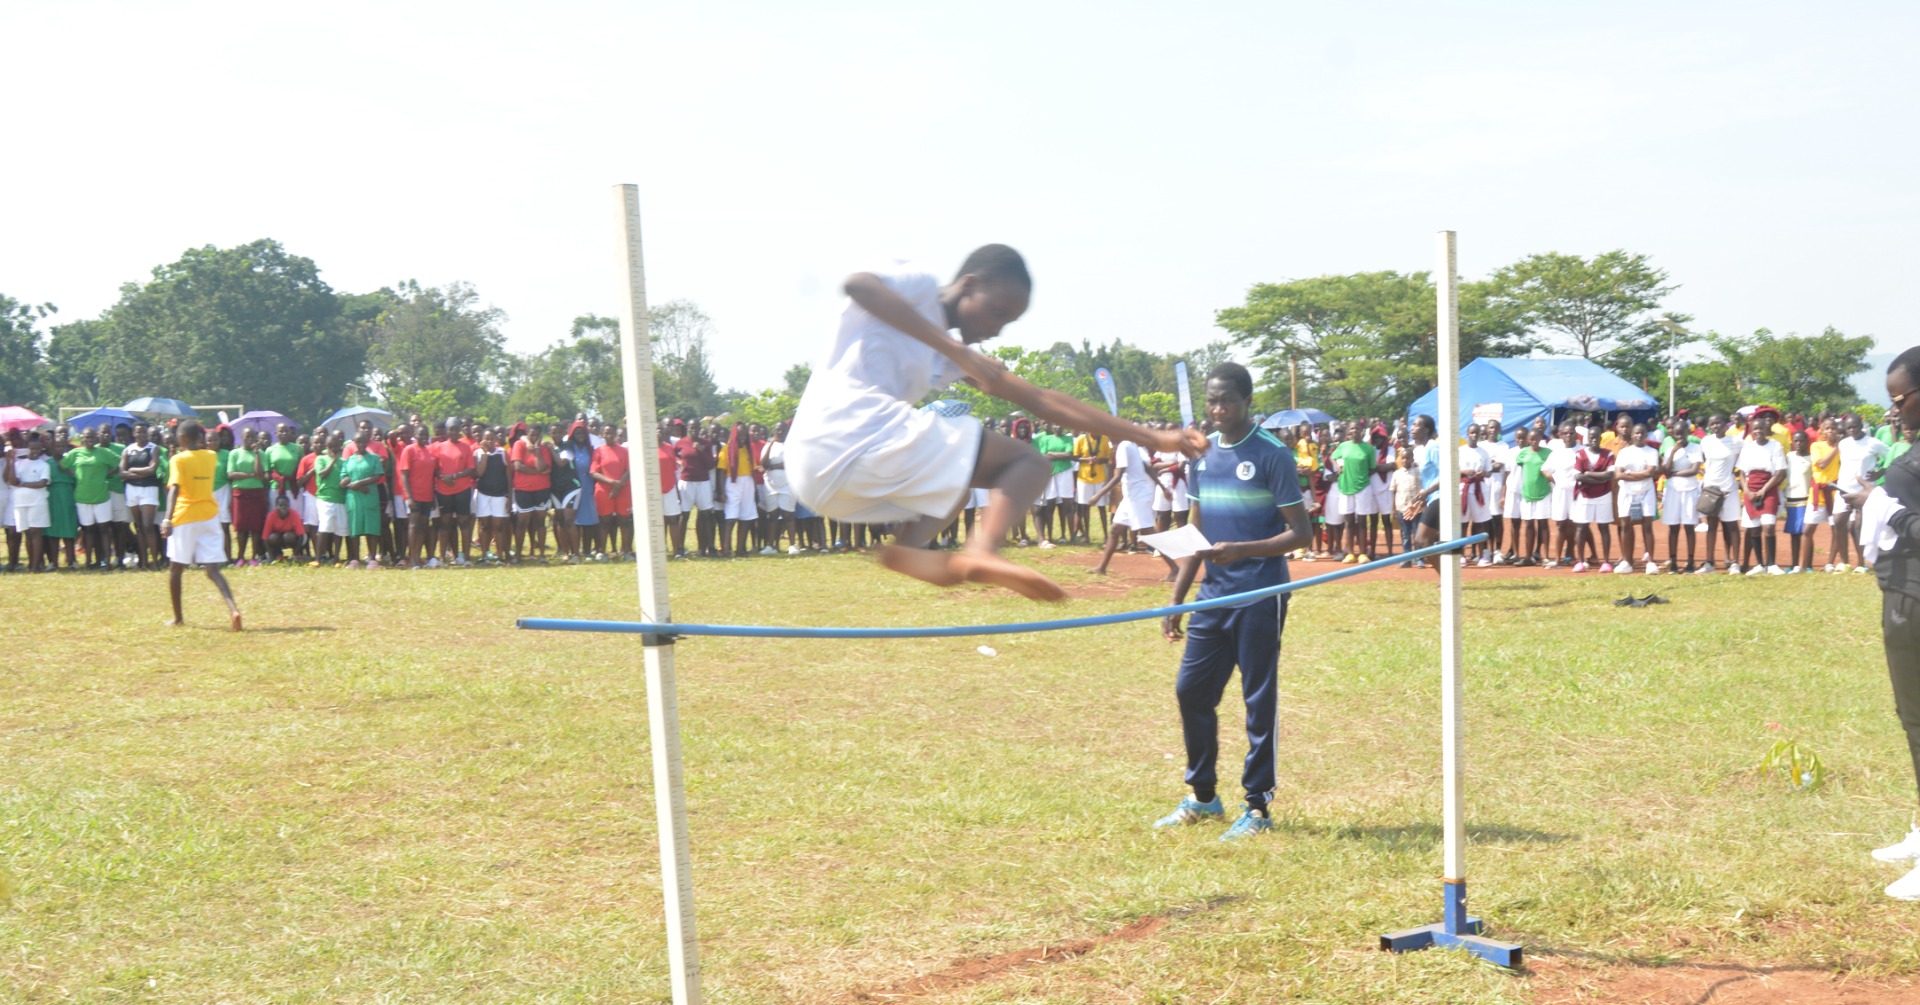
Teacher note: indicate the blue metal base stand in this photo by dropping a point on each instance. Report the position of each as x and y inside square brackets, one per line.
[1456, 931]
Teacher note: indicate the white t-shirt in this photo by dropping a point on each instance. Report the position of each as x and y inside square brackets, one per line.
[776, 477]
[1473, 459]
[30, 470]
[1498, 453]
[1135, 480]
[1559, 468]
[863, 394]
[1632, 458]
[1685, 458]
[1859, 459]
[1799, 477]
[1766, 456]
[1717, 455]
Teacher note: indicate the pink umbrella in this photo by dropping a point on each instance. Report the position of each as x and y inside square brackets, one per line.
[14, 417]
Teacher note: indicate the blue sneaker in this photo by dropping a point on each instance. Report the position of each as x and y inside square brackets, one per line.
[1249, 824]
[1192, 811]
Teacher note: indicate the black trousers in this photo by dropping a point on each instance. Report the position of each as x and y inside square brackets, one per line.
[1900, 629]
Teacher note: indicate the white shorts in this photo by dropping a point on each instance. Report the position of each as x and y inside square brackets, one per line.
[309, 510]
[332, 517]
[1496, 488]
[671, 504]
[777, 500]
[143, 495]
[1478, 509]
[1083, 492]
[32, 516]
[223, 498]
[921, 465]
[1177, 504]
[1340, 506]
[1586, 510]
[1624, 505]
[1816, 515]
[1382, 497]
[118, 502]
[486, 507]
[1135, 513]
[1514, 500]
[1059, 487]
[1729, 507]
[1562, 500]
[697, 495]
[1538, 509]
[94, 513]
[1764, 520]
[1680, 507]
[1840, 507]
[741, 504]
[399, 508]
[978, 498]
[197, 542]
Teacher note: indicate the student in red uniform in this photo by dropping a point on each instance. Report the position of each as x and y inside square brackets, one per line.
[670, 504]
[415, 467]
[532, 490]
[612, 493]
[282, 533]
[453, 491]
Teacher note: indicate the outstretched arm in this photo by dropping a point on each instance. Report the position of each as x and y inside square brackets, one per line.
[878, 299]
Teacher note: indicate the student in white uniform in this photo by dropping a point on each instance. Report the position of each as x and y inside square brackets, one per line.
[1131, 492]
[862, 452]
[1761, 467]
[1500, 462]
[1559, 468]
[1680, 503]
[1860, 459]
[1476, 493]
[1637, 465]
[1719, 496]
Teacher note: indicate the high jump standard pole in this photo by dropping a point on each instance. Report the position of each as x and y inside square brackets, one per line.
[663, 703]
[1456, 930]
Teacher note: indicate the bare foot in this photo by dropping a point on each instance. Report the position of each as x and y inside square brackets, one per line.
[174, 623]
[1100, 571]
[996, 571]
[927, 566]
[235, 619]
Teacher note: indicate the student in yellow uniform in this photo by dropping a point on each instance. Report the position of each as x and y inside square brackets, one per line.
[191, 526]
[1093, 453]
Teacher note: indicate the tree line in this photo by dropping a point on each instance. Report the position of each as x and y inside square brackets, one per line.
[257, 325]
[1365, 344]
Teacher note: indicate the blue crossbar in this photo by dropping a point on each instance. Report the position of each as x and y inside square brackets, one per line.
[778, 632]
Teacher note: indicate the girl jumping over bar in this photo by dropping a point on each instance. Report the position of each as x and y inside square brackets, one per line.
[861, 451]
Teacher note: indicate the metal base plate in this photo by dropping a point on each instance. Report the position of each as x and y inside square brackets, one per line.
[1504, 954]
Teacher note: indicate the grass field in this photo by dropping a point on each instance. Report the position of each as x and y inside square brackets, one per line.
[383, 793]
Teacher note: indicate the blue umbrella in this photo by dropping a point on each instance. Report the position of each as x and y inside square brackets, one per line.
[347, 420]
[160, 408]
[107, 417]
[1296, 417]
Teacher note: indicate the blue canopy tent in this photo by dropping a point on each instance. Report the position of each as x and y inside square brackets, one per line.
[1517, 391]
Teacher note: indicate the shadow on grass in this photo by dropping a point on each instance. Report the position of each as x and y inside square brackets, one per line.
[1424, 835]
[290, 629]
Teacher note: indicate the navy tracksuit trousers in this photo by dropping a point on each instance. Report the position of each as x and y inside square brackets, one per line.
[1217, 641]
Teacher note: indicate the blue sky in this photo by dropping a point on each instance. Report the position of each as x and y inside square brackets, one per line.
[1151, 161]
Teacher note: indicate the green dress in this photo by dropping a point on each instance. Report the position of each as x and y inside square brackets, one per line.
[363, 508]
[63, 515]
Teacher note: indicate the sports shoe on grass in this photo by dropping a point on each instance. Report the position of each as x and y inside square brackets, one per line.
[1192, 811]
[1252, 822]
[1906, 887]
[1623, 567]
[1733, 569]
[1907, 849]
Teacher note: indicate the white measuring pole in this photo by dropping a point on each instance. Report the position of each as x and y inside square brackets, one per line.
[1452, 687]
[663, 703]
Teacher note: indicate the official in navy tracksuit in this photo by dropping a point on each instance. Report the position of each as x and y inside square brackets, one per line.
[1246, 500]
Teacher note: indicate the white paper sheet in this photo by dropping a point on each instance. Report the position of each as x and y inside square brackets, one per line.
[1177, 543]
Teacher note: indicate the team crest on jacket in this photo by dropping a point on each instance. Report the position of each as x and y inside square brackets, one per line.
[1245, 471]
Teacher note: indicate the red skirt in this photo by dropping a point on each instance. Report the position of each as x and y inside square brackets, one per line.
[249, 510]
[1767, 505]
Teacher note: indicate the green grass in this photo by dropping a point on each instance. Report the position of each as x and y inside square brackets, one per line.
[383, 793]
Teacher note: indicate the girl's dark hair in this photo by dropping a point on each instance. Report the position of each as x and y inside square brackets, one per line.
[995, 263]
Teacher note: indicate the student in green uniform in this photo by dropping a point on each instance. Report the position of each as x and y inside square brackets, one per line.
[63, 518]
[90, 465]
[361, 475]
[330, 499]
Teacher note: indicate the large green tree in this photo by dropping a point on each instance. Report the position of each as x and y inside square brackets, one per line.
[1362, 344]
[252, 325]
[440, 338]
[23, 376]
[1605, 308]
[683, 382]
[74, 354]
[1806, 374]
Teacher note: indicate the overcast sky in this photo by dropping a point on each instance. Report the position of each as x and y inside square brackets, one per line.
[1152, 161]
